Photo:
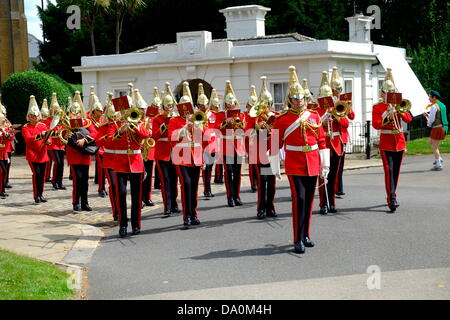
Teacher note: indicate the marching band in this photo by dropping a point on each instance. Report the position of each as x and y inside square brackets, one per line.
[185, 140]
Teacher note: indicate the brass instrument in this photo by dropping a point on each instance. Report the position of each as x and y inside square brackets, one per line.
[199, 118]
[404, 106]
[237, 123]
[132, 115]
[341, 109]
[146, 144]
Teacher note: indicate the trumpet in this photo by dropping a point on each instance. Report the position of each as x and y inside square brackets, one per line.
[133, 115]
[404, 106]
[199, 118]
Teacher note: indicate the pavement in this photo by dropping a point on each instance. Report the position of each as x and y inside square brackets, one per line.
[52, 232]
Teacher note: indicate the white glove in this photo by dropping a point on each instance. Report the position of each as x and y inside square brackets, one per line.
[275, 165]
[324, 162]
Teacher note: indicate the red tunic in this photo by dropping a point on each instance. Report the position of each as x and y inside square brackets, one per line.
[97, 124]
[5, 138]
[162, 147]
[76, 157]
[234, 138]
[185, 152]
[36, 150]
[127, 148]
[9, 145]
[298, 162]
[211, 133]
[344, 130]
[333, 136]
[390, 140]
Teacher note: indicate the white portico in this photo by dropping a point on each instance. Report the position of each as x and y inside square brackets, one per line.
[248, 53]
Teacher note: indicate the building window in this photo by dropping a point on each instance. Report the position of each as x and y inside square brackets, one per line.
[348, 85]
[120, 92]
[380, 85]
[279, 91]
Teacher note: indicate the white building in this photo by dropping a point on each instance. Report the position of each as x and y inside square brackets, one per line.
[249, 53]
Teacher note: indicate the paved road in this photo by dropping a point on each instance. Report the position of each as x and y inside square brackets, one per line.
[231, 255]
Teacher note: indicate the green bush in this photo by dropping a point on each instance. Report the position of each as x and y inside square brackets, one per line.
[16, 91]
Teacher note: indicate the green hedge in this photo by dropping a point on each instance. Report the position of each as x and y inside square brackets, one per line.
[16, 91]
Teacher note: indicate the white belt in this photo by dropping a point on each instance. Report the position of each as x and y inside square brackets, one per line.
[306, 148]
[392, 131]
[129, 151]
[438, 126]
[188, 144]
[163, 139]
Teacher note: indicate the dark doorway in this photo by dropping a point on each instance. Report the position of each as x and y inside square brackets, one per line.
[193, 85]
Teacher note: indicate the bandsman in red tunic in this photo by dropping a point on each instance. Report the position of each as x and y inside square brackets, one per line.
[12, 130]
[388, 120]
[45, 117]
[259, 146]
[148, 151]
[107, 129]
[185, 134]
[77, 154]
[5, 137]
[214, 106]
[232, 145]
[96, 116]
[209, 140]
[301, 133]
[34, 134]
[128, 165]
[56, 148]
[333, 126]
[163, 149]
[250, 125]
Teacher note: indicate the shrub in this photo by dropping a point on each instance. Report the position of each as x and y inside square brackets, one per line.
[16, 91]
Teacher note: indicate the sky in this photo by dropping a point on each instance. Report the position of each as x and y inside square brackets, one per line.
[33, 21]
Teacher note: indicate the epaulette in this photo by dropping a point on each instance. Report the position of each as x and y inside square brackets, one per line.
[282, 113]
[88, 123]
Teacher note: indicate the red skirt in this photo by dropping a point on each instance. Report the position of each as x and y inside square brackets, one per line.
[437, 133]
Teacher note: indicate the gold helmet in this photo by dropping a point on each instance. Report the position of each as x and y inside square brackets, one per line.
[156, 101]
[94, 102]
[214, 101]
[305, 87]
[388, 84]
[91, 98]
[202, 98]
[252, 98]
[33, 108]
[187, 96]
[168, 99]
[295, 89]
[336, 80]
[2, 107]
[265, 97]
[138, 101]
[130, 89]
[44, 109]
[2, 117]
[77, 105]
[110, 111]
[54, 105]
[325, 89]
[230, 97]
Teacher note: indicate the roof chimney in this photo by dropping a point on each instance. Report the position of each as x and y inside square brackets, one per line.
[359, 28]
[245, 21]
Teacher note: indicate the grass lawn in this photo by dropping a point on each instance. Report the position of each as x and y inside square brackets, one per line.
[420, 146]
[23, 278]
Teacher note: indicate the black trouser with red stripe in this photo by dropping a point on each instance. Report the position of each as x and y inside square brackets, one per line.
[340, 182]
[147, 183]
[253, 175]
[136, 197]
[233, 167]
[189, 177]
[331, 183]
[110, 176]
[169, 190]
[58, 166]
[302, 191]
[101, 179]
[80, 183]
[8, 166]
[218, 173]
[3, 171]
[207, 172]
[48, 168]
[266, 187]
[392, 162]
[38, 169]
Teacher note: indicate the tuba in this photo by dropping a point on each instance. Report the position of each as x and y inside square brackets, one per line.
[133, 115]
[199, 118]
[341, 109]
